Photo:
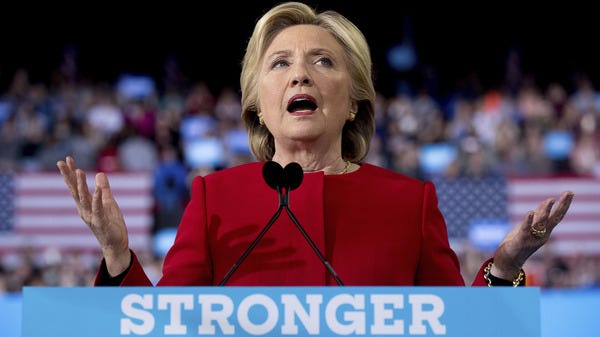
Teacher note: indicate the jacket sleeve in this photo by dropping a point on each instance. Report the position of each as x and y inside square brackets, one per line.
[134, 275]
[479, 280]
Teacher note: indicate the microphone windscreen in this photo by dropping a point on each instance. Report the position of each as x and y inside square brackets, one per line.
[293, 175]
[273, 174]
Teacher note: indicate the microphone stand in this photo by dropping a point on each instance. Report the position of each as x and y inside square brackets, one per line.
[254, 243]
[283, 203]
[314, 247]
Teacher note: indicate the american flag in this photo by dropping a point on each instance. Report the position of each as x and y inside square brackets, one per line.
[38, 212]
[499, 200]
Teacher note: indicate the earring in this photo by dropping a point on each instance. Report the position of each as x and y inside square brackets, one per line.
[352, 116]
[261, 121]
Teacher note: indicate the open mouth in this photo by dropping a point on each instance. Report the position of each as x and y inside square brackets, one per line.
[301, 104]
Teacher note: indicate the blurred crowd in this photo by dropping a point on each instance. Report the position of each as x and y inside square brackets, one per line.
[178, 128]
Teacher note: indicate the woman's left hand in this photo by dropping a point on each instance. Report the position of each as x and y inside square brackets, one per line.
[529, 236]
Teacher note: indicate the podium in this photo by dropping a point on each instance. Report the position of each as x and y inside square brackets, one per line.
[281, 311]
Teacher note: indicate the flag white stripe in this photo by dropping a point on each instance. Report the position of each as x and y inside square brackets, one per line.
[552, 187]
[118, 181]
[574, 247]
[23, 203]
[72, 241]
[74, 221]
[520, 208]
[578, 227]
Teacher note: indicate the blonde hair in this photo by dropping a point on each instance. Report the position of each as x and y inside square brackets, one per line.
[356, 135]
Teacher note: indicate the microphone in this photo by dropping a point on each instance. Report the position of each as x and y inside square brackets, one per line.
[283, 180]
[293, 174]
[273, 174]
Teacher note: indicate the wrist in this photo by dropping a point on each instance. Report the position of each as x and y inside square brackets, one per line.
[495, 280]
[504, 273]
[117, 263]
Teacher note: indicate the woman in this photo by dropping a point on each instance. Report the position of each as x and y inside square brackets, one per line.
[307, 97]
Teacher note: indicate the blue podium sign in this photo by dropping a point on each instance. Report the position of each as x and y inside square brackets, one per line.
[281, 311]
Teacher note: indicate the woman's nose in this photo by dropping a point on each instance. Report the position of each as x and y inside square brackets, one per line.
[301, 79]
[301, 76]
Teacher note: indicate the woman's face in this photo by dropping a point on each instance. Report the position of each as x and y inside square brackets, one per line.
[304, 87]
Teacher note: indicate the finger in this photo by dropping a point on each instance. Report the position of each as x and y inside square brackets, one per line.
[65, 171]
[97, 207]
[103, 184]
[62, 166]
[562, 206]
[528, 221]
[542, 213]
[539, 225]
[71, 163]
[69, 179]
[84, 192]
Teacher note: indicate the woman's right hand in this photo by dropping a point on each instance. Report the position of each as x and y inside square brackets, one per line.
[101, 214]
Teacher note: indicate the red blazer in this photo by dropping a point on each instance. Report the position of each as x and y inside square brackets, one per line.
[374, 226]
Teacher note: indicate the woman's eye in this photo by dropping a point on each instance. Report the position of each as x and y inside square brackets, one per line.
[326, 61]
[279, 63]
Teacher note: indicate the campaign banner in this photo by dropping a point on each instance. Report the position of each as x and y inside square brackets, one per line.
[281, 311]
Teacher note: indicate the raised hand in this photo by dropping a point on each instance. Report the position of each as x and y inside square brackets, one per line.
[101, 214]
[529, 236]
